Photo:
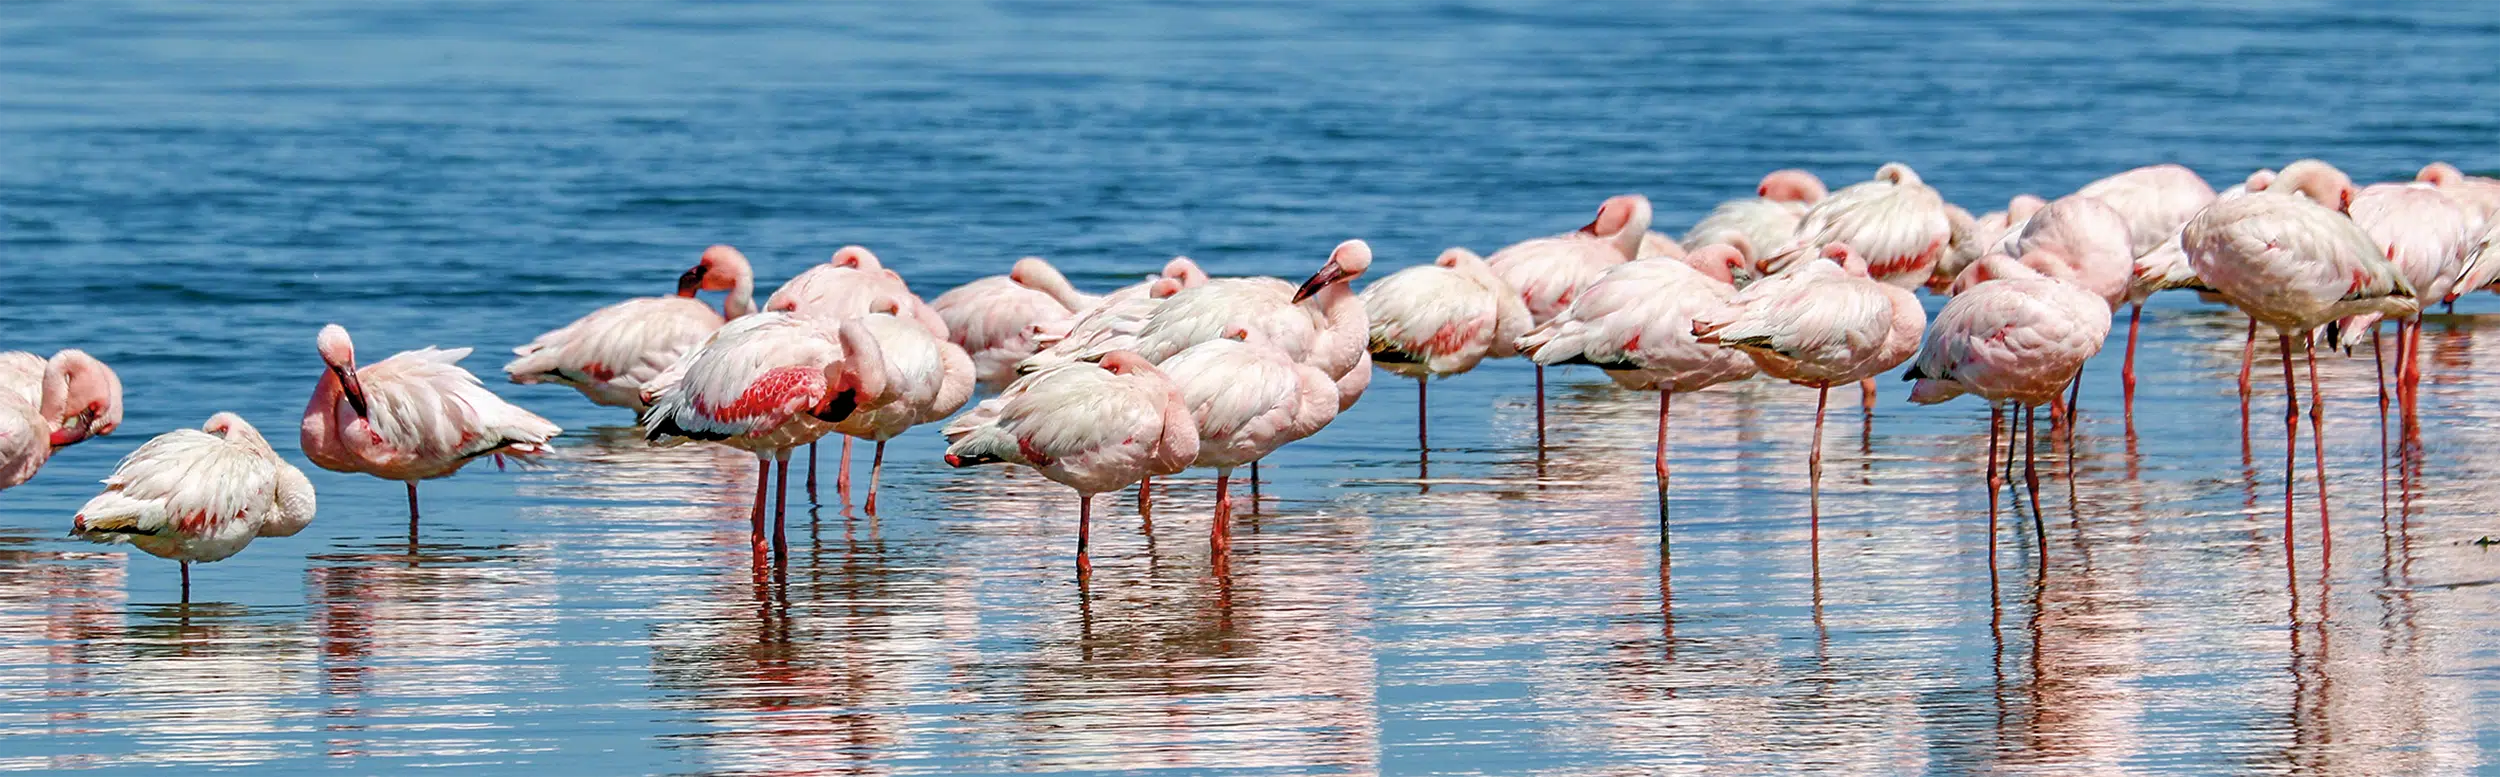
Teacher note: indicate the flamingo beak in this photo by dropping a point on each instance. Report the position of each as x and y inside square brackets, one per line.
[1326, 275]
[354, 390]
[76, 429]
[690, 281]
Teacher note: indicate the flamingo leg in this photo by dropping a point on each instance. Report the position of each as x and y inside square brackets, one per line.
[2291, 436]
[811, 473]
[1996, 419]
[2031, 476]
[1540, 410]
[1146, 497]
[1254, 487]
[2379, 362]
[2248, 361]
[186, 582]
[842, 477]
[2317, 441]
[2409, 370]
[2074, 405]
[1220, 534]
[1814, 468]
[1423, 417]
[412, 508]
[763, 493]
[2126, 372]
[1866, 394]
[876, 469]
[781, 507]
[1084, 532]
[1665, 402]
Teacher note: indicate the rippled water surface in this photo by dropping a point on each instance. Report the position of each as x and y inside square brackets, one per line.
[190, 189]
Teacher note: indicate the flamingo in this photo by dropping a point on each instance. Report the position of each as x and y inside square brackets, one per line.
[767, 384]
[2481, 194]
[1246, 398]
[2425, 232]
[1766, 220]
[1895, 222]
[609, 354]
[199, 495]
[846, 287]
[1091, 427]
[1343, 346]
[2079, 239]
[1033, 273]
[1439, 320]
[928, 378]
[1110, 326]
[2020, 338]
[2155, 200]
[2294, 264]
[1824, 324]
[1547, 272]
[2482, 262]
[1986, 232]
[91, 402]
[29, 418]
[1636, 323]
[994, 319]
[414, 416]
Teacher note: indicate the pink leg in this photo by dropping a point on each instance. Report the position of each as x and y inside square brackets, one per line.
[2248, 361]
[2317, 441]
[1665, 399]
[1084, 532]
[2379, 362]
[876, 468]
[1996, 419]
[781, 508]
[1220, 535]
[1146, 497]
[2291, 438]
[763, 493]
[1866, 394]
[842, 477]
[2126, 373]
[1814, 468]
[2031, 474]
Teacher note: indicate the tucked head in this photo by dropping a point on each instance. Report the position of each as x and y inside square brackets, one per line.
[1348, 262]
[1126, 363]
[855, 256]
[232, 427]
[1163, 287]
[1619, 214]
[1848, 258]
[1456, 258]
[1186, 271]
[2440, 174]
[1897, 173]
[1033, 273]
[1791, 186]
[2318, 181]
[94, 406]
[2022, 206]
[1717, 260]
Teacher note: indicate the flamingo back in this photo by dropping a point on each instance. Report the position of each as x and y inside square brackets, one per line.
[188, 495]
[1197, 315]
[612, 352]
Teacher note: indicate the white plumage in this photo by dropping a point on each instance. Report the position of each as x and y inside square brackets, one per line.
[199, 494]
[1636, 323]
[1441, 319]
[2019, 339]
[2291, 263]
[1896, 222]
[611, 353]
[422, 416]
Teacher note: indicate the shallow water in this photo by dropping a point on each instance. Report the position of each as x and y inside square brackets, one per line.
[189, 190]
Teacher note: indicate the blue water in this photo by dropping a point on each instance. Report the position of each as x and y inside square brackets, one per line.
[189, 190]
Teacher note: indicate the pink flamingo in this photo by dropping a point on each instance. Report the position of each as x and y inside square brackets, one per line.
[2078, 239]
[1041, 276]
[1342, 347]
[2482, 262]
[414, 416]
[845, 287]
[1985, 234]
[1636, 323]
[995, 319]
[1820, 325]
[29, 419]
[609, 354]
[1439, 320]
[1091, 427]
[1767, 220]
[767, 384]
[199, 495]
[91, 405]
[1895, 222]
[1547, 272]
[1246, 398]
[2294, 264]
[2481, 194]
[2155, 201]
[1110, 326]
[928, 378]
[2020, 339]
[2425, 233]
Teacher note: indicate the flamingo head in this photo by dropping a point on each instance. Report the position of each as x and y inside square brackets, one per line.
[1186, 271]
[94, 394]
[2440, 174]
[1033, 272]
[1348, 262]
[1160, 288]
[2022, 206]
[1791, 186]
[855, 256]
[339, 354]
[856, 381]
[2320, 182]
[232, 427]
[722, 268]
[1848, 258]
[1619, 214]
[1717, 260]
[1897, 174]
[1994, 267]
[1240, 333]
[1126, 362]
[1461, 259]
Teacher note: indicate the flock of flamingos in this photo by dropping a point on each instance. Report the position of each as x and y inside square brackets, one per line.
[1100, 392]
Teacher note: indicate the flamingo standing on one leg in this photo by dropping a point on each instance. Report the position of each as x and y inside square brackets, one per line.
[1441, 319]
[845, 287]
[609, 354]
[2020, 338]
[995, 319]
[1824, 324]
[1896, 223]
[414, 416]
[2426, 234]
[1636, 323]
[1091, 427]
[2294, 264]
[2155, 200]
[1247, 398]
[1548, 272]
[2078, 239]
[199, 495]
[767, 384]
[928, 379]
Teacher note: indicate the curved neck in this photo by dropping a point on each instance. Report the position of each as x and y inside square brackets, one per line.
[741, 300]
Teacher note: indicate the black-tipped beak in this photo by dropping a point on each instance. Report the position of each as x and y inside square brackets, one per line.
[690, 281]
[354, 390]
[840, 406]
[1327, 275]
